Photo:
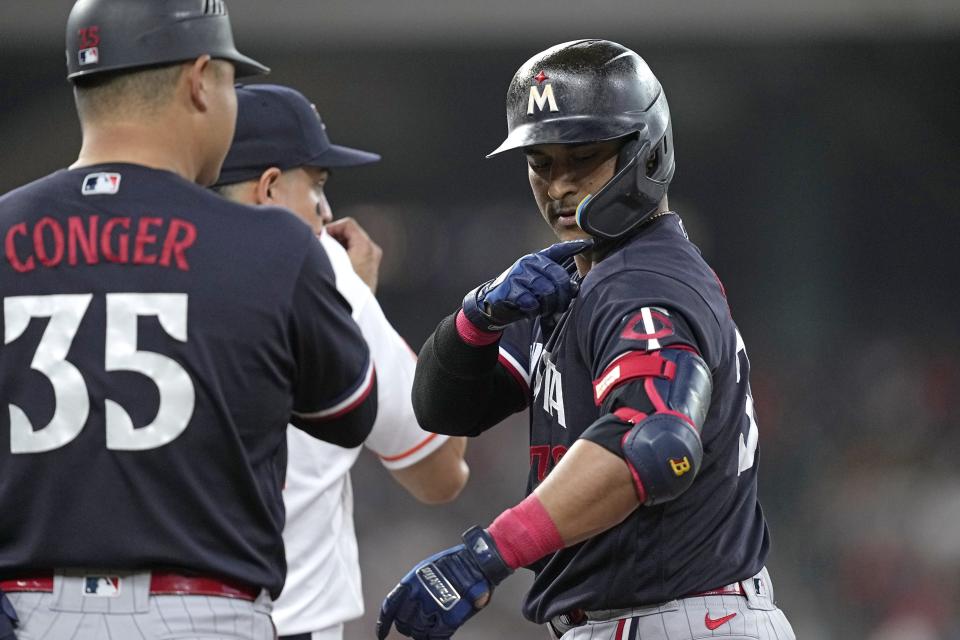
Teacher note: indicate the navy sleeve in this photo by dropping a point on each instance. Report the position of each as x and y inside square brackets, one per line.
[646, 311]
[514, 353]
[335, 395]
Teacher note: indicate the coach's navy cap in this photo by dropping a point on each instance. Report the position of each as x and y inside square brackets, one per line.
[278, 127]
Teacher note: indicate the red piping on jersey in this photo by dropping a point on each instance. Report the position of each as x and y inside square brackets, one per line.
[411, 451]
[631, 365]
[506, 364]
[356, 403]
[322, 416]
[473, 335]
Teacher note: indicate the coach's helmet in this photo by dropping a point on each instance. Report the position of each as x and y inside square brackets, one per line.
[112, 35]
[590, 91]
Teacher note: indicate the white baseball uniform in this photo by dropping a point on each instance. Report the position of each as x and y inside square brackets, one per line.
[322, 589]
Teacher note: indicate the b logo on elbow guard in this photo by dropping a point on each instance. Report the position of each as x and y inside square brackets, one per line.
[680, 467]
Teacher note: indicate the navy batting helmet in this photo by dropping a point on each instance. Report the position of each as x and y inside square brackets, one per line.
[112, 35]
[593, 90]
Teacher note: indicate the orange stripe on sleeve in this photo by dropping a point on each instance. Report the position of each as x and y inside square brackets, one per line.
[410, 452]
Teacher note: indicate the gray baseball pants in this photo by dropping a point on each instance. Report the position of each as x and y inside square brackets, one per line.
[751, 616]
[131, 613]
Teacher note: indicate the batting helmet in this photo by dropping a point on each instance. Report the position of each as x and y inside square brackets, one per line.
[589, 91]
[111, 35]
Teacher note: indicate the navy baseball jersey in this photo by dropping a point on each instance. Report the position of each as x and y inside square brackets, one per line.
[655, 292]
[157, 340]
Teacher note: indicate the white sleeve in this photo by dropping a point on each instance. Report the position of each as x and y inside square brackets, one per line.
[349, 284]
[396, 437]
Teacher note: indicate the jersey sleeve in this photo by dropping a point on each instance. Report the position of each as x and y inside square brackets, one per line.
[396, 438]
[514, 353]
[351, 287]
[646, 311]
[334, 395]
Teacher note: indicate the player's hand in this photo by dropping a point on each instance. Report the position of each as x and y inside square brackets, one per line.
[445, 590]
[364, 253]
[534, 285]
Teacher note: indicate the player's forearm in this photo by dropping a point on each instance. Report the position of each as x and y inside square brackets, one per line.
[590, 491]
[439, 477]
[460, 389]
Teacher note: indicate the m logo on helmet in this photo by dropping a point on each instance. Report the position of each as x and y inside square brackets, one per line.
[541, 99]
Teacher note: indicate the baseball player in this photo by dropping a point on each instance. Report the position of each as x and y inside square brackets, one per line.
[642, 519]
[156, 345]
[282, 155]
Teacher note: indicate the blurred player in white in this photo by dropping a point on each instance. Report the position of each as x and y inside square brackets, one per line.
[281, 156]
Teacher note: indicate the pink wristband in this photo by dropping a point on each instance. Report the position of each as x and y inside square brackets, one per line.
[525, 533]
[472, 335]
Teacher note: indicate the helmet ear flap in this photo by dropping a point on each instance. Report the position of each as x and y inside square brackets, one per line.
[652, 166]
[628, 151]
[660, 163]
[655, 166]
[654, 160]
[648, 167]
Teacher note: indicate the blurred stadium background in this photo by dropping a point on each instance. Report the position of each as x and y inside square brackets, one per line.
[817, 170]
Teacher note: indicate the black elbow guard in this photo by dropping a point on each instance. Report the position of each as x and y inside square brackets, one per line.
[664, 453]
[662, 449]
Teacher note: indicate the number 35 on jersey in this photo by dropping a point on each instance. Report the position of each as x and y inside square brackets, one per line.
[71, 397]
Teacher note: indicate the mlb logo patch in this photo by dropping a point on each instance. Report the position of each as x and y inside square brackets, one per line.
[101, 586]
[90, 55]
[101, 184]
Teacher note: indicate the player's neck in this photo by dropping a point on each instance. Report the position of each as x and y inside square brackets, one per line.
[154, 146]
[584, 262]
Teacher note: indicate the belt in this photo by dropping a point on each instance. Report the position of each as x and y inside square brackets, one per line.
[735, 589]
[577, 617]
[161, 584]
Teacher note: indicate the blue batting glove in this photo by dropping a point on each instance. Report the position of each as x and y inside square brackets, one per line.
[441, 593]
[535, 285]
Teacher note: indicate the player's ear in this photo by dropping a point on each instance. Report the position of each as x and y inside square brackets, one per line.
[197, 73]
[266, 185]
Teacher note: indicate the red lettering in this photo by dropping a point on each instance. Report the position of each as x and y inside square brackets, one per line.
[12, 258]
[85, 238]
[143, 239]
[40, 247]
[89, 37]
[178, 247]
[122, 255]
[86, 241]
[558, 452]
[540, 457]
